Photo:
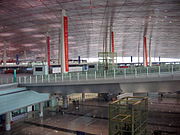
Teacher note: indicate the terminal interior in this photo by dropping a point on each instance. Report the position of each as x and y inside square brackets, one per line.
[89, 67]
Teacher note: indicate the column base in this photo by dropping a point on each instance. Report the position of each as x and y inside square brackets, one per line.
[41, 114]
[8, 127]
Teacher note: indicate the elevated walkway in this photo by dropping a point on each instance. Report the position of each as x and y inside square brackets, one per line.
[144, 83]
[133, 79]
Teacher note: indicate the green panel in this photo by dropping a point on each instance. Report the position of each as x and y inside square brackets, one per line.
[128, 116]
[36, 107]
[53, 102]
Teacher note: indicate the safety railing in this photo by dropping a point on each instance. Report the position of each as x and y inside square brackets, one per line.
[6, 80]
[124, 73]
[102, 74]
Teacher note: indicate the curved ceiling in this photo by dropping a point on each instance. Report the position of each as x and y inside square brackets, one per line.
[24, 25]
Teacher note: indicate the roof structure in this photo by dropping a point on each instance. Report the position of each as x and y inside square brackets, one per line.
[24, 25]
[14, 101]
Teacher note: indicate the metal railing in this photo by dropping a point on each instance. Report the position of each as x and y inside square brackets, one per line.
[132, 72]
[6, 80]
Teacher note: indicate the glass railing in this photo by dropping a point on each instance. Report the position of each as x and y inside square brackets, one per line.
[135, 72]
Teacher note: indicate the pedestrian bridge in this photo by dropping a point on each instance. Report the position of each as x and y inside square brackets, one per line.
[140, 79]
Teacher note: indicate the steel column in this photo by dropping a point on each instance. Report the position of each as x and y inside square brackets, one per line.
[64, 43]
[48, 51]
[145, 53]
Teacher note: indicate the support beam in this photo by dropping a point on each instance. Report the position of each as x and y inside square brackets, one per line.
[64, 44]
[17, 59]
[48, 51]
[41, 112]
[8, 121]
[150, 61]
[131, 59]
[79, 59]
[112, 34]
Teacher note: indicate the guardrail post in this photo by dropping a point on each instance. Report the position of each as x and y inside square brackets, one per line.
[86, 75]
[124, 73]
[159, 70]
[114, 73]
[95, 75]
[36, 78]
[48, 78]
[42, 78]
[30, 79]
[172, 69]
[24, 79]
[70, 76]
[104, 74]
[19, 79]
[78, 76]
[55, 78]
[135, 72]
[62, 76]
[147, 72]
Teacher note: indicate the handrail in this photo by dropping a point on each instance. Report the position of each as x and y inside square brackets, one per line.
[97, 74]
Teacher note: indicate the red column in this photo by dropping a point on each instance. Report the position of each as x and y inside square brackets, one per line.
[145, 52]
[66, 43]
[48, 50]
[112, 34]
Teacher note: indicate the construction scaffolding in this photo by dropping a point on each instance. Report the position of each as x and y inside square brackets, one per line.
[128, 116]
[107, 60]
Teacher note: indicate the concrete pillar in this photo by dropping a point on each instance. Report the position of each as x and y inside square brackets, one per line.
[83, 97]
[64, 43]
[41, 112]
[65, 101]
[8, 121]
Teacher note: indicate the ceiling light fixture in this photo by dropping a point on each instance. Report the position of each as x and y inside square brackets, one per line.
[38, 35]
[6, 34]
[27, 29]
[55, 25]
[12, 49]
[28, 45]
[35, 50]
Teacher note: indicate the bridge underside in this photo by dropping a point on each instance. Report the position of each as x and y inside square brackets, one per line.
[154, 86]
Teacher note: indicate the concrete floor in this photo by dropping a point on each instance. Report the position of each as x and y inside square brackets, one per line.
[92, 118]
[164, 116]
